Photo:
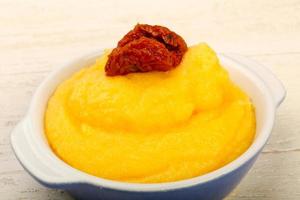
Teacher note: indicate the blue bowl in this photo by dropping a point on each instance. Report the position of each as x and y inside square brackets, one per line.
[32, 150]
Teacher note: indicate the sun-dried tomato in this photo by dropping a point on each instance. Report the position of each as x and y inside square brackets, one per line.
[146, 48]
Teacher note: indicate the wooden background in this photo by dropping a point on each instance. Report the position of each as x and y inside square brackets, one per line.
[37, 36]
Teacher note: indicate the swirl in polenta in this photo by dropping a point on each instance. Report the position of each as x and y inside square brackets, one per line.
[151, 127]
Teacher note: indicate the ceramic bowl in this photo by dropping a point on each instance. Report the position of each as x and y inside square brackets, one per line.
[32, 150]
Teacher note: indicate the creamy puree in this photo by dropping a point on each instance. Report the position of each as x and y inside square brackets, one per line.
[151, 127]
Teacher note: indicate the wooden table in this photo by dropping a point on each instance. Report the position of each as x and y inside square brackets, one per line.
[37, 36]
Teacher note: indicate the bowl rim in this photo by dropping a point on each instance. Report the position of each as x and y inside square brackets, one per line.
[78, 177]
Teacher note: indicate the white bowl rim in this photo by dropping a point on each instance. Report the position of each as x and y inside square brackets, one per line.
[81, 177]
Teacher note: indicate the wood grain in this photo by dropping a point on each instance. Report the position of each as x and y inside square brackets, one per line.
[38, 36]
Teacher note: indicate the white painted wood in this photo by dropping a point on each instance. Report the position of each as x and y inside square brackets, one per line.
[37, 36]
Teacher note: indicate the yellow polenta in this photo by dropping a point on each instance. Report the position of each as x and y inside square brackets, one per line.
[151, 127]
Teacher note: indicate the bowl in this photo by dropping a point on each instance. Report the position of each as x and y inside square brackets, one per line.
[33, 152]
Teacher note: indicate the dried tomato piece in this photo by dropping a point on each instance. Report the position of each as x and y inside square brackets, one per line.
[146, 48]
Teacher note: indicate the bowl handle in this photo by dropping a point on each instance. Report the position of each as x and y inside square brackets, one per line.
[273, 83]
[29, 160]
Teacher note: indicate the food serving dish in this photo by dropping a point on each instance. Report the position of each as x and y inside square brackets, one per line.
[32, 150]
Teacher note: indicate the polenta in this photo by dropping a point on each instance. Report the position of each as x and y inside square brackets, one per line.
[151, 127]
